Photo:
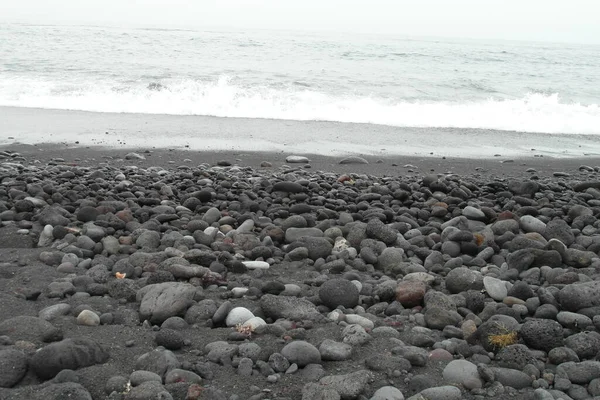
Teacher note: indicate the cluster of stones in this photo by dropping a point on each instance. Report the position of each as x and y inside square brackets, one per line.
[434, 287]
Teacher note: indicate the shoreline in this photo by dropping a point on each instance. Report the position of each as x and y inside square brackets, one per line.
[200, 133]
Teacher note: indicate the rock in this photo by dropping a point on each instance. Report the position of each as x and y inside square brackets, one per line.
[353, 160]
[238, 315]
[163, 300]
[410, 293]
[30, 329]
[60, 391]
[134, 156]
[288, 187]
[159, 361]
[495, 288]
[532, 224]
[335, 351]
[542, 334]
[88, 318]
[338, 292]
[296, 160]
[387, 393]
[67, 354]
[348, 386]
[293, 234]
[292, 308]
[52, 216]
[318, 247]
[581, 373]
[512, 377]
[301, 353]
[378, 230]
[256, 264]
[559, 229]
[46, 237]
[439, 393]
[13, 367]
[577, 296]
[463, 279]
[438, 318]
[169, 339]
[462, 372]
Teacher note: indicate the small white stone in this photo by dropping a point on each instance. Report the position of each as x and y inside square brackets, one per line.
[238, 315]
[495, 288]
[296, 159]
[239, 291]
[336, 316]
[358, 285]
[359, 320]
[89, 318]
[256, 264]
[46, 237]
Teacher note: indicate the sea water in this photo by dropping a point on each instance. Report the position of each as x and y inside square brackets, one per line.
[397, 81]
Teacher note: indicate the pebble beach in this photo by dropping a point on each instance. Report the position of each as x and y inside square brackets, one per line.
[177, 274]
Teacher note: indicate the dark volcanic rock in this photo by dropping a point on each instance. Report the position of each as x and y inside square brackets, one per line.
[67, 354]
[338, 292]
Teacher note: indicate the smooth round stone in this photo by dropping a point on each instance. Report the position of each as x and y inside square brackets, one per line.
[462, 372]
[88, 318]
[388, 393]
[291, 289]
[256, 264]
[495, 288]
[573, 320]
[335, 351]
[301, 353]
[54, 311]
[531, 224]
[238, 315]
[473, 213]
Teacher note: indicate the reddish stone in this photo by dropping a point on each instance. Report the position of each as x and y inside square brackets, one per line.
[125, 215]
[440, 355]
[410, 293]
[506, 215]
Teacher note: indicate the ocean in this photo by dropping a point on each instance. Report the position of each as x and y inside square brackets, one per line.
[381, 80]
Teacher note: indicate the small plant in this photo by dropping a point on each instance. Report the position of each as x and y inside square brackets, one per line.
[503, 338]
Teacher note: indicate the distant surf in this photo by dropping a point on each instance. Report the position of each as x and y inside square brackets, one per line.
[534, 112]
[303, 76]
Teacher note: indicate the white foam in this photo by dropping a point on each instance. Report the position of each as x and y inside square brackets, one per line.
[534, 112]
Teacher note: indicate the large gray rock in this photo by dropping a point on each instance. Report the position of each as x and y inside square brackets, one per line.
[62, 391]
[288, 307]
[31, 329]
[580, 373]
[67, 354]
[378, 230]
[542, 334]
[163, 300]
[301, 353]
[559, 229]
[13, 366]
[159, 361]
[463, 279]
[576, 296]
[349, 386]
[338, 292]
[318, 247]
[512, 377]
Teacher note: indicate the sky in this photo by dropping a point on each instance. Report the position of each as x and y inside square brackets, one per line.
[575, 21]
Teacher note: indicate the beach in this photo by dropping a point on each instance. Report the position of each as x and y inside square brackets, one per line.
[452, 264]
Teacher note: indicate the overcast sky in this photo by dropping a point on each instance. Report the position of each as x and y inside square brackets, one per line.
[540, 20]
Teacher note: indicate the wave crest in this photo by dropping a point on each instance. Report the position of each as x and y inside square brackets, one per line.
[534, 112]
